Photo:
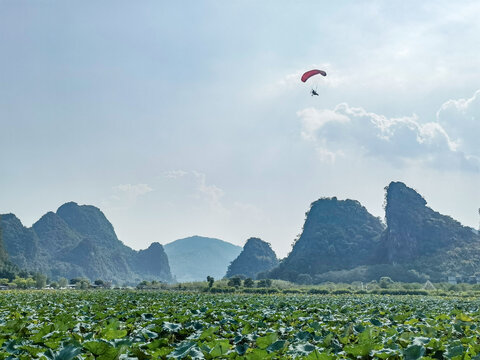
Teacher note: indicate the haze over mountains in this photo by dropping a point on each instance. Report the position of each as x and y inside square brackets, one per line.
[341, 241]
[194, 258]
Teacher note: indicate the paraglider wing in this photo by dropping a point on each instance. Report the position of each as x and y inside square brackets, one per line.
[311, 73]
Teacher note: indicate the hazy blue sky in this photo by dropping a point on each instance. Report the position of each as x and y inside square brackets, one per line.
[188, 117]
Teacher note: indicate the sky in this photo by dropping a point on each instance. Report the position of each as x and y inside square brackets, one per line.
[181, 118]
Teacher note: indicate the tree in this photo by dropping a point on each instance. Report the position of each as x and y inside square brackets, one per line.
[40, 281]
[54, 285]
[20, 282]
[235, 281]
[144, 284]
[264, 283]
[84, 284]
[304, 279]
[62, 282]
[248, 282]
[210, 281]
[99, 282]
[385, 282]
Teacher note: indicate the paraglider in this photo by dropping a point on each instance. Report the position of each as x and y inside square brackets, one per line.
[311, 73]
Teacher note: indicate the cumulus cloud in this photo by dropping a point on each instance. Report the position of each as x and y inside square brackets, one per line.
[461, 119]
[403, 140]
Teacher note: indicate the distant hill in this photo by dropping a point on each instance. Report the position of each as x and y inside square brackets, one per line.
[79, 241]
[256, 256]
[194, 258]
[342, 242]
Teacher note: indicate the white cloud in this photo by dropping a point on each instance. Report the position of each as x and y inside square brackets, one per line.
[175, 174]
[124, 196]
[132, 191]
[461, 118]
[314, 119]
[403, 140]
[211, 193]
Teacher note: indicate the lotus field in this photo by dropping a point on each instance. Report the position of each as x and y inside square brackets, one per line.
[114, 324]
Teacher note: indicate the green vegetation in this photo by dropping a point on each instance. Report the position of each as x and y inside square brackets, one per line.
[256, 256]
[114, 324]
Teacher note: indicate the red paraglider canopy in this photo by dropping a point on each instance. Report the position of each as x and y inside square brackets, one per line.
[311, 73]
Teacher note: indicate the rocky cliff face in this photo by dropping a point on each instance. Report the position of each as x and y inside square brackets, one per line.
[4, 261]
[427, 241]
[256, 256]
[414, 230]
[152, 261]
[79, 241]
[338, 234]
[21, 244]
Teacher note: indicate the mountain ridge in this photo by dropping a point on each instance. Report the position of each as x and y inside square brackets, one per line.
[342, 242]
[79, 241]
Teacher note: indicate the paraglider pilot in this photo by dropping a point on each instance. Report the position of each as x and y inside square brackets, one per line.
[311, 73]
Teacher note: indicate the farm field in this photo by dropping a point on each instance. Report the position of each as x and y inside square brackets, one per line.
[116, 324]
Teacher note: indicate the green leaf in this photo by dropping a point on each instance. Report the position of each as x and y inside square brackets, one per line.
[208, 333]
[182, 350]
[114, 334]
[102, 350]
[257, 354]
[265, 341]
[385, 353]
[68, 353]
[221, 348]
[241, 349]
[140, 354]
[464, 317]
[303, 349]
[157, 343]
[303, 335]
[454, 350]
[277, 345]
[413, 352]
[315, 355]
[358, 349]
[97, 347]
[247, 329]
[171, 327]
